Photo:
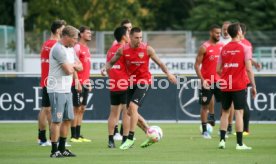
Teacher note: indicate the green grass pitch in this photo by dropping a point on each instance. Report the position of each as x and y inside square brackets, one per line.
[181, 144]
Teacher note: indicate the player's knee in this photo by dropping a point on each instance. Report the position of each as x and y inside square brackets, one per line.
[125, 111]
[133, 106]
[82, 109]
[239, 112]
[47, 110]
[128, 112]
[77, 110]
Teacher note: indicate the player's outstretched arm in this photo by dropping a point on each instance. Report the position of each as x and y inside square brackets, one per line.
[156, 59]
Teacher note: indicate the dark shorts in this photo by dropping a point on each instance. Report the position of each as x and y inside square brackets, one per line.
[45, 98]
[118, 97]
[79, 98]
[205, 95]
[137, 94]
[237, 97]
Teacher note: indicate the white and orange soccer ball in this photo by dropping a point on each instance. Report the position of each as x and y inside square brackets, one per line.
[155, 133]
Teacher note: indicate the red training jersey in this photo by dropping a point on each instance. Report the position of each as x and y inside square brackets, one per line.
[44, 57]
[209, 62]
[232, 60]
[247, 43]
[137, 61]
[118, 77]
[83, 53]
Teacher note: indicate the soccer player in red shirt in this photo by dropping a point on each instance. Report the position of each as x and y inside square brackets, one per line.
[118, 83]
[225, 39]
[234, 61]
[118, 80]
[257, 65]
[118, 136]
[45, 112]
[81, 85]
[137, 55]
[205, 67]
[246, 114]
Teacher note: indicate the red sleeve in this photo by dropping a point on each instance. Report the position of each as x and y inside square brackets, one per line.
[247, 53]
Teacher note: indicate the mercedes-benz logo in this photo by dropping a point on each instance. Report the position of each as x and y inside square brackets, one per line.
[184, 102]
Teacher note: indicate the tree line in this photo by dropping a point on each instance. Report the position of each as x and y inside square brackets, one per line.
[102, 15]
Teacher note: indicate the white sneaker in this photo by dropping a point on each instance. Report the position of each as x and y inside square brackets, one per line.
[206, 135]
[221, 144]
[117, 137]
[243, 147]
[47, 143]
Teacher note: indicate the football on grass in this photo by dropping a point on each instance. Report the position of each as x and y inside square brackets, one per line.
[155, 133]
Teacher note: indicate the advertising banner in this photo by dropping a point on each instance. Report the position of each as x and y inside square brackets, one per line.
[177, 65]
[20, 99]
